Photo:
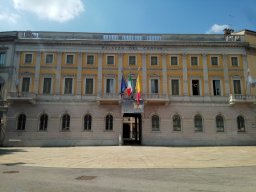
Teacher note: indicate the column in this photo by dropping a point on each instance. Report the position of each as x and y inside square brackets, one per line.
[245, 68]
[37, 72]
[120, 68]
[206, 82]
[15, 73]
[185, 75]
[226, 79]
[164, 71]
[144, 73]
[79, 74]
[58, 74]
[99, 91]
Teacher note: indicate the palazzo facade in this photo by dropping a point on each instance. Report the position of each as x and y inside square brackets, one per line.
[63, 89]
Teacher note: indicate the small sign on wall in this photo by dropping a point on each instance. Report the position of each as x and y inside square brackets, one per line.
[131, 106]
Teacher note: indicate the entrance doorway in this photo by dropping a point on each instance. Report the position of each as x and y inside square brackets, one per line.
[132, 129]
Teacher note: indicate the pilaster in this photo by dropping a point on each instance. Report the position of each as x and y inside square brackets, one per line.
[58, 73]
[37, 72]
[164, 72]
[226, 79]
[79, 74]
[206, 81]
[99, 91]
[185, 75]
[144, 74]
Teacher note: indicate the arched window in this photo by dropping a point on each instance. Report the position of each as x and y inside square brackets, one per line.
[155, 123]
[21, 122]
[198, 123]
[176, 123]
[65, 122]
[87, 122]
[219, 123]
[43, 122]
[109, 122]
[240, 124]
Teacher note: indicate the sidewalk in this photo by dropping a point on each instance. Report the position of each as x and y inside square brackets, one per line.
[130, 157]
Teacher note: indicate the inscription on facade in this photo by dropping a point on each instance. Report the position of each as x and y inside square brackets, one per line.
[130, 106]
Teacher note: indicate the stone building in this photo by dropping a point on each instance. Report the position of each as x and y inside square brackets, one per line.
[63, 89]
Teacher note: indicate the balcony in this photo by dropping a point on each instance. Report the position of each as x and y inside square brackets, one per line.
[242, 99]
[109, 99]
[21, 97]
[155, 98]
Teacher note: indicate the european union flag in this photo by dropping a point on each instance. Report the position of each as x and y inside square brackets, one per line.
[123, 85]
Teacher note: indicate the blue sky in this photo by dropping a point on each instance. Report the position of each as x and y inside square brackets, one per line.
[128, 16]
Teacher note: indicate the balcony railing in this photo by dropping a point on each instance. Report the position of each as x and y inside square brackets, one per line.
[233, 99]
[156, 98]
[21, 97]
[109, 98]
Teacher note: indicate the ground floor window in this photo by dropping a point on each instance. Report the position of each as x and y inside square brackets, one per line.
[43, 122]
[21, 122]
[219, 123]
[240, 124]
[87, 122]
[66, 122]
[176, 123]
[198, 123]
[155, 123]
[109, 122]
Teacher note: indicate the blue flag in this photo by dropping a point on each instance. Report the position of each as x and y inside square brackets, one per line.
[123, 85]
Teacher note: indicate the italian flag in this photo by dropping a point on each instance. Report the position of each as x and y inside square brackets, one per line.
[129, 86]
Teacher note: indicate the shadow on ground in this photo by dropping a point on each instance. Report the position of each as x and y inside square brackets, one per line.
[8, 151]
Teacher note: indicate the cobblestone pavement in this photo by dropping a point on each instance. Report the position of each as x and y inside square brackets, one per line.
[130, 157]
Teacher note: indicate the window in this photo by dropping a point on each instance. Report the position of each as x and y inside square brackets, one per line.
[21, 122]
[65, 122]
[237, 87]
[47, 85]
[214, 61]
[110, 86]
[90, 59]
[175, 87]
[240, 124]
[154, 86]
[219, 123]
[110, 60]
[2, 58]
[155, 123]
[198, 123]
[234, 61]
[133, 82]
[25, 84]
[43, 122]
[89, 86]
[195, 87]
[109, 122]
[216, 88]
[153, 60]
[70, 59]
[49, 58]
[176, 123]
[132, 60]
[87, 122]
[194, 60]
[28, 58]
[174, 60]
[68, 86]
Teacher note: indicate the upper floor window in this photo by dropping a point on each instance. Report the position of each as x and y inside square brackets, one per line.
[219, 123]
[87, 122]
[154, 60]
[28, 58]
[237, 87]
[132, 60]
[25, 84]
[21, 122]
[198, 122]
[2, 58]
[216, 87]
[109, 122]
[176, 123]
[155, 123]
[90, 59]
[234, 61]
[154, 86]
[89, 86]
[214, 61]
[65, 122]
[49, 58]
[110, 60]
[195, 87]
[109, 85]
[194, 60]
[43, 122]
[47, 85]
[68, 89]
[174, 60]
[69, 59]
[175, 87]
[240, 124]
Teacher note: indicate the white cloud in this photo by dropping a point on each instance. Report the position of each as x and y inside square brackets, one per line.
[8, 17]
[54, 10]
[217, 28]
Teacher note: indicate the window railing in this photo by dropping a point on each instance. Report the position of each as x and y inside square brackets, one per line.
[242, 99]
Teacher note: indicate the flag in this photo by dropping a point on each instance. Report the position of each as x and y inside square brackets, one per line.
[123, 85]
[129, 87]
[138, 90]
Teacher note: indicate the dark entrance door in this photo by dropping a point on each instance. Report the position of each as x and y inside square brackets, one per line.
[132, 125]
